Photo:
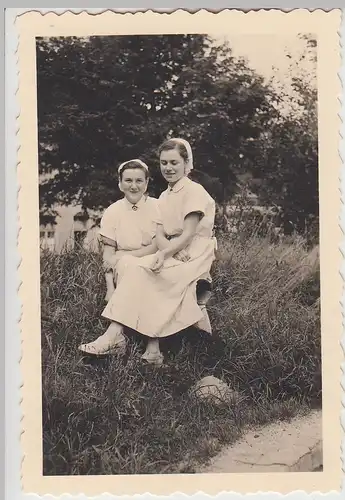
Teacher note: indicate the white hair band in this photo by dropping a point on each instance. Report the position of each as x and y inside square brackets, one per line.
[140, 162]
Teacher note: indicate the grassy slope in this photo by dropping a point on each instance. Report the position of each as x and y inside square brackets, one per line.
[119, 417]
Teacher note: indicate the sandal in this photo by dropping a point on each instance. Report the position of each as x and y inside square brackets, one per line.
[155, 359]
[93, 348]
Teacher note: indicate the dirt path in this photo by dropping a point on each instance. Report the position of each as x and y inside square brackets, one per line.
[294, 446]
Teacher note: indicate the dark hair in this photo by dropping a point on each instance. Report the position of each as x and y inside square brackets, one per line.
[133, 164]
[170, 144]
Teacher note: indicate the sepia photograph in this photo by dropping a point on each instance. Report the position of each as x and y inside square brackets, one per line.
[177, 192]
[179, 200]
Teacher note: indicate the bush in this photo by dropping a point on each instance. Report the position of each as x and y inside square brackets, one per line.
[116, 416]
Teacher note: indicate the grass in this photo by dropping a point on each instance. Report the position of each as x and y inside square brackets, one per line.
[116, 416]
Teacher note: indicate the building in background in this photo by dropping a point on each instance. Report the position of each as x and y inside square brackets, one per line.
[73, 227]
[71, 230]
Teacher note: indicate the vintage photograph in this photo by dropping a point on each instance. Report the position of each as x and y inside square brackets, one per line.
[179, 216]
[181, 274]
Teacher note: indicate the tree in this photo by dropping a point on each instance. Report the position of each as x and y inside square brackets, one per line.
[227, 107]
[289, 160]
[103, 100]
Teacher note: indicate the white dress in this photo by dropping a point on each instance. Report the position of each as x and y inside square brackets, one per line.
[164, 303]
[131, 229]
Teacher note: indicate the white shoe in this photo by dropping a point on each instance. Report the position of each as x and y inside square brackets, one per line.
[153, 358]
[105, 344]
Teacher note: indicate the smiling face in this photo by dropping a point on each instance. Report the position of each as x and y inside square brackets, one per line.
[172, 165]
[133, 184]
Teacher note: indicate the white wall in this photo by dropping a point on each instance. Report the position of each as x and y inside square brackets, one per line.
[64, 230]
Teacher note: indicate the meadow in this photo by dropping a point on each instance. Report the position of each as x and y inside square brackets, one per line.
[118, 416]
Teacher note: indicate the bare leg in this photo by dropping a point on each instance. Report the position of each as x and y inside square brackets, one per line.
[108, 255]
[204, 324]
[153, 354]
[109, 279]
[112, 341]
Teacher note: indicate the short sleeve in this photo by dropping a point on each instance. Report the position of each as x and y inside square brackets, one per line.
[194, 201]
[108, 223]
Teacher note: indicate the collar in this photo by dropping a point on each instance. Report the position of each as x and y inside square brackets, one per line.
[179, 185]
[140, 203]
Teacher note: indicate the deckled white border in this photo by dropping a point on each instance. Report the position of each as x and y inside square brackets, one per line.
[12, 306]
[13, 377]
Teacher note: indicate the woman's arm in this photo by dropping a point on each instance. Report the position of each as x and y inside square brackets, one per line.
[109, 250]
[180, 242]
[146, 250]
[108, 241]
[162, 241]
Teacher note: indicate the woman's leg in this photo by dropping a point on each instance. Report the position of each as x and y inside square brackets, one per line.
[204, 292]
[109, 280]
[153, 354]
[108, 257]
[204, 324]
[112, 341]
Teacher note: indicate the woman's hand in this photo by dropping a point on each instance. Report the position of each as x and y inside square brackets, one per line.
[162, 241]
[181, 242]
[158, 261]
[182, 255]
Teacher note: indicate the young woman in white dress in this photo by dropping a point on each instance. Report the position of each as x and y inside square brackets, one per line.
[128, 227]
[156, 294]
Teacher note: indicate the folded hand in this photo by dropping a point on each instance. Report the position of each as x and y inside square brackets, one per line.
[158, 262]
[182, 255]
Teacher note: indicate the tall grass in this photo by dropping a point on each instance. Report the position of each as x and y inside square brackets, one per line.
[117, 416]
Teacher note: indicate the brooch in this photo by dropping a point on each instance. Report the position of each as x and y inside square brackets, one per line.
[134, 207]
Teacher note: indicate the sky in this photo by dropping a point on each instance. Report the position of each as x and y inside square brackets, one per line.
[264, 52]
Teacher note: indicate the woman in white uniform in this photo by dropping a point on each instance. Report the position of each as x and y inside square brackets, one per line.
[156, 294]
[128, 227]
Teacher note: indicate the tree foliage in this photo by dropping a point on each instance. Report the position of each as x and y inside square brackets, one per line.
[104, 100]
[289, 159]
